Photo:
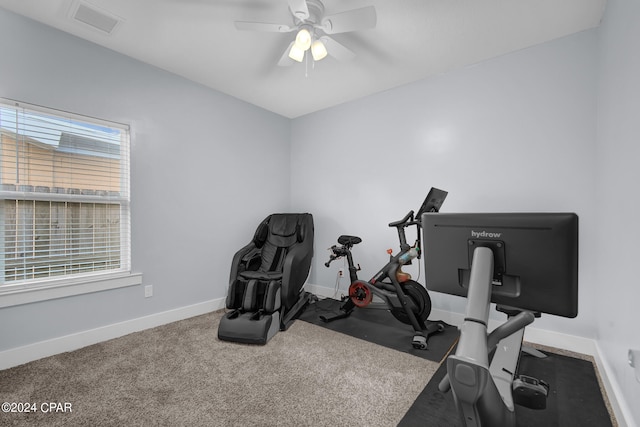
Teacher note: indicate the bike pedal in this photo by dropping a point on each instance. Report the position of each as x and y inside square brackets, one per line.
[530, 392]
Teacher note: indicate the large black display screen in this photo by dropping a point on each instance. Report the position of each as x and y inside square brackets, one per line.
[535, 257]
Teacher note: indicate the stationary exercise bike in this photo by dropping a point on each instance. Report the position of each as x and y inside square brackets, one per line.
[407, 300]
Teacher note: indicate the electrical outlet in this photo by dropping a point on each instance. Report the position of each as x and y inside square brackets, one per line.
[148, 291]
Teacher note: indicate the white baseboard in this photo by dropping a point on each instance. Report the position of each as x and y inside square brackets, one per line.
[20, 355]
[533, 335]
[537, 336]
[620, 406]
[321, 291]
[28, 353]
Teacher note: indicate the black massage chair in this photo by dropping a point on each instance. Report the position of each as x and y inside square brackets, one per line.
[267, 275]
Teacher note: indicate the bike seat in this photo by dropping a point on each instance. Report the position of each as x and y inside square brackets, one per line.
[349, 240]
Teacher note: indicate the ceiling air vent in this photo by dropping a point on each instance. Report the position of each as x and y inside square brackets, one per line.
[96, 18]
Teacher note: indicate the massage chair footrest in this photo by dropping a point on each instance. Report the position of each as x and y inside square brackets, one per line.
[248, 327]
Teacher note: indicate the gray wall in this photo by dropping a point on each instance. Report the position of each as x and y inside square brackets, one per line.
[515, 133]
[205, 169]
[616, 200]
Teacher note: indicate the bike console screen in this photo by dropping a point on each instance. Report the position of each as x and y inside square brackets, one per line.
[433, 202]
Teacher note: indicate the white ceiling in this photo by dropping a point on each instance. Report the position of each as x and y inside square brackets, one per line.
[413, 39]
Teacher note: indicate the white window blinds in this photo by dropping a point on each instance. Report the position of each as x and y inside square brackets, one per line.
[64, 194]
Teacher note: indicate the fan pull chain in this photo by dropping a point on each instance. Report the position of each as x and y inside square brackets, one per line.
[306, 64]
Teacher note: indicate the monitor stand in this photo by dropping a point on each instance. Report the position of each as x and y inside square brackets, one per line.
[483, 390]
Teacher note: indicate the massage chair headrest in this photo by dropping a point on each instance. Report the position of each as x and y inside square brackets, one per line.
[281, 230]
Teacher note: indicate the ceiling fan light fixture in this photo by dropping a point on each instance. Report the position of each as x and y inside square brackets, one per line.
[318, 50]
[303, 39]
[312, 29]
[296, 53]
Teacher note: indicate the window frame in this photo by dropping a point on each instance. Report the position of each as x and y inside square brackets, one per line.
[58, 286]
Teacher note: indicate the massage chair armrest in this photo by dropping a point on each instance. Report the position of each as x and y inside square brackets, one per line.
[237, 264]
[293, 278]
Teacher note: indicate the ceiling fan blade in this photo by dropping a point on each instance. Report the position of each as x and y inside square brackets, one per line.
[263, 26]
[299, 9]
[285, 61]
[351, 20]
[335, 49]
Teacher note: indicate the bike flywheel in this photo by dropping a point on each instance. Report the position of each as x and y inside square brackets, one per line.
[360, 294]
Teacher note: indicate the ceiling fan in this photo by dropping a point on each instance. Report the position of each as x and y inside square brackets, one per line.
[312, 29]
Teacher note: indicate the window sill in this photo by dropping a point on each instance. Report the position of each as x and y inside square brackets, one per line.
[11, 295]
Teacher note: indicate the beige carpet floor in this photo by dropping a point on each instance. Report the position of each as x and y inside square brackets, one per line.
[181, 375]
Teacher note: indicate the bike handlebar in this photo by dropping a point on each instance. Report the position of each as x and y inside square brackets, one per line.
[402, 221]
[336, 252]
[331, 258]
[408, 220]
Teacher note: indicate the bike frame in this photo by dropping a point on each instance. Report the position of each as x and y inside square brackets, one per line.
[392, 293]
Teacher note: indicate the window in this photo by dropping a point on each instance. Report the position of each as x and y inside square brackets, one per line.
[64, 196]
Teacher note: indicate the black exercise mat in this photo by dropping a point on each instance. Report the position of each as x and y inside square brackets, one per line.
[574, 398]
[380, 327]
